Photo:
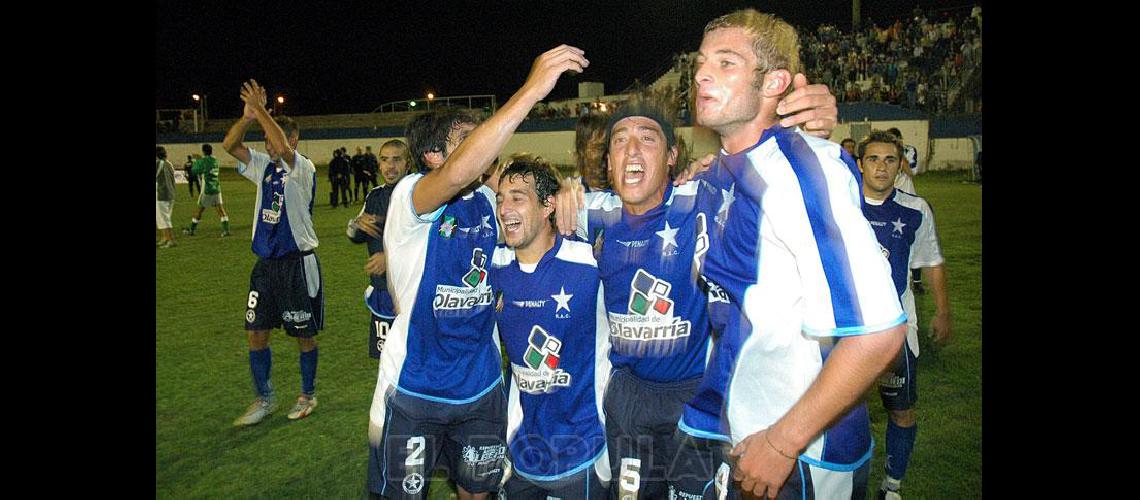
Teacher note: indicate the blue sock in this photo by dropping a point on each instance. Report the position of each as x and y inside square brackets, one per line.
[308, 371]
[260, 363]
[900, 442]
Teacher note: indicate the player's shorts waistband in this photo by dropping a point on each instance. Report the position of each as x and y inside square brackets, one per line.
[689, 384]
[290, 255]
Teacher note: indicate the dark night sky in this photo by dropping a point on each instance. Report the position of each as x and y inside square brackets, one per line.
[351, 56]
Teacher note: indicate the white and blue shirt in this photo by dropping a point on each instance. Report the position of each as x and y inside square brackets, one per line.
[556, 342]
[649, 265]
[283, 218]
[441, 346]
[802, 263]
[904, 225]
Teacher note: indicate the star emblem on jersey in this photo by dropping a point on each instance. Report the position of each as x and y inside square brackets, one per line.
[447, 227]
[413, 483]
[563, 299]
[728, 197]
[899, 225]
[649, 293]
[668, 237]
[541, 374]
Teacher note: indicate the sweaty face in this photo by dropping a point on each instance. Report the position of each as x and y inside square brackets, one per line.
[521, 215]
[880, 165]
[639, 161]
[725, 75]
[393, 165]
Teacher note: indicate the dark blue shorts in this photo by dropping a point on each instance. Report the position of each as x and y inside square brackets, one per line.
[898, 387]
[286, 293]
[702, 470]
[416, 433]
[584, 485]
[642, 437]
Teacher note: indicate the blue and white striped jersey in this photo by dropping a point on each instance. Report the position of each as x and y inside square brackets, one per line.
[442, 345]
[283, 217]
[800, 260]
[556, 342]
[904, 225]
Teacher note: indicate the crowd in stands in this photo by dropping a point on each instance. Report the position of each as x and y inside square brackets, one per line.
[913, 62]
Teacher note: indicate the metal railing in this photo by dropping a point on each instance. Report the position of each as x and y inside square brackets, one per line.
[426, 104]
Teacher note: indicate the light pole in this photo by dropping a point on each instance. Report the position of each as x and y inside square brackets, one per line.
[430, 96]
[201, 101]
[280, 103]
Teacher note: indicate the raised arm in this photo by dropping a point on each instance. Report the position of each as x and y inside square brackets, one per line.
[233, 142]
[255, 97]
[470, 159]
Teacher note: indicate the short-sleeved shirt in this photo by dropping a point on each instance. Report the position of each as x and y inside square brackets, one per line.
[557, 343]
[207, 167]
[283, 213]
[376, 296]
[164, 180]
[904, 226]
[442, 345]
[649, 264]
[802, 263]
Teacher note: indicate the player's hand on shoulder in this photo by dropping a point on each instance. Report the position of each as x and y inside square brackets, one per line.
[695, 167]
[813, 106]
[570, 197]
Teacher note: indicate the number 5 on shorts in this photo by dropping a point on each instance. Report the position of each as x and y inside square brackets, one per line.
[630, 475]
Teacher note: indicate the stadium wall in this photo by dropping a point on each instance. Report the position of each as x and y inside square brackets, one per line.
[558, 146]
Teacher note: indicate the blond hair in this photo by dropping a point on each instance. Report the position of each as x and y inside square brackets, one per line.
[774, 42]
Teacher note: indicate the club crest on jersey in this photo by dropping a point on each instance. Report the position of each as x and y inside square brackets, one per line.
[540, 373]
[447, 227]
[272, 215]
[474, 293]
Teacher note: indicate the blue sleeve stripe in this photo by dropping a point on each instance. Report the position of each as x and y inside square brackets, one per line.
[852, 331]
[841, 467]
[828, 238]
[701, 434]
[568, 473]
[452, 401]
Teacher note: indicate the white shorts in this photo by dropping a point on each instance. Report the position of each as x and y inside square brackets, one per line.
[162, 214]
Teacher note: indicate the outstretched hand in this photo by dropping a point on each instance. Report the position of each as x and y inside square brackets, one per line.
[549, 66]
